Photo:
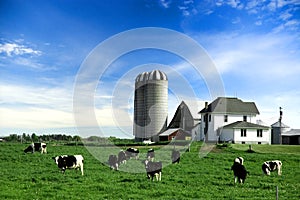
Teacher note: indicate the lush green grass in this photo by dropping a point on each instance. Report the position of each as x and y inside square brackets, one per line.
[35, 176]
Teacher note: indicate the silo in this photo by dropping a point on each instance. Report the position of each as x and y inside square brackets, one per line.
[150, 104]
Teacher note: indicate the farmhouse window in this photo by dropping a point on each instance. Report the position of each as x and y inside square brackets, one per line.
[225, 118]
[259, 132]
[245, 118]
[243, 132]
[209, 118]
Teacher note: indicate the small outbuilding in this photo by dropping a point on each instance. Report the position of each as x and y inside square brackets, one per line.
[291, 137]
[175, 133]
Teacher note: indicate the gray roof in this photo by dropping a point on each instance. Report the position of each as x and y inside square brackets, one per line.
[169, 132]
[292, 132]
[230, 105]
[277, 124]
[182, 118]
[246, 125]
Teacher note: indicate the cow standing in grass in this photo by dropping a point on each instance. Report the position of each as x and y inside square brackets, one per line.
[122, 158]
[153, 169]
[175, 156]
[132, 153]
[38, 146]
[69, 162]
[271, 166]
[113, 162]
[239, 170]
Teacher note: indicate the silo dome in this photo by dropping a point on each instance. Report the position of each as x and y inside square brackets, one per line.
[150, 104]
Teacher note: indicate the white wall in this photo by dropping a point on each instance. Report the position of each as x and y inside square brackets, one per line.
[251, 137]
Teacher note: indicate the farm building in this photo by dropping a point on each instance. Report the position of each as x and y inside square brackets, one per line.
[183, 126]
[150, 105]
[291, 137]
[277, 129]
[242, 132]
[174, 134]
[228, 113]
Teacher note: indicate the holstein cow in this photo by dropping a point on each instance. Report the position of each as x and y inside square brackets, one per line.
[153, 169]
[239, 170]
[113, 162]
[42, 147]
[270, 166]
[132, 153]
[175, 157]
[239, 160]
[150, 155]
[122, 157]
[69, 162]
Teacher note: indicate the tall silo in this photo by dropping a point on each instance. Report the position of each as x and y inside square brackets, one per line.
[150, 104]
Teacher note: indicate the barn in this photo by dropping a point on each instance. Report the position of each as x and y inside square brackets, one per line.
[175, 133]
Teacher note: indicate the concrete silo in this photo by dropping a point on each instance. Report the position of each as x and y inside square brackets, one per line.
[150, 105]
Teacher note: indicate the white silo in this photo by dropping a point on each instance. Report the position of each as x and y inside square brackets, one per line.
[150, 104]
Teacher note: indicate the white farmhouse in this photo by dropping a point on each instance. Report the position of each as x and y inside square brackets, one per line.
[231, 119]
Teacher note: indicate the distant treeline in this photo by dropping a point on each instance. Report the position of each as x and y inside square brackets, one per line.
[41, 138]
[25, 138]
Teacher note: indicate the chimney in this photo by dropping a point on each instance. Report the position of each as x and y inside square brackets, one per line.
[206, 104]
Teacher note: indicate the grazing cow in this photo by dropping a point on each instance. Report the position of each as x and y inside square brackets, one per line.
[42, 147]
[113, 162]
[122, 157]
[239, 160]
[240, 172]
[150, 155]
[153, 169]
[69, 162]
[270, 166]
[132, 153]
[175, 157]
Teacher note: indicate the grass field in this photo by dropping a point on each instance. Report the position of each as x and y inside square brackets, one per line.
[35, 176]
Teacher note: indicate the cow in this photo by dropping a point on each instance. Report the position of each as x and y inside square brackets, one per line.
[175, 156]
[271, 166]
[239, 160]
[42, 147]
[153, 169]
[69, 162]
[150, 155]
[132, 153]
[240, 172]
[122, 157]
[113, 162]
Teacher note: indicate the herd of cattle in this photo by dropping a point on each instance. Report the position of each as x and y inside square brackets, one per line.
[153, 169]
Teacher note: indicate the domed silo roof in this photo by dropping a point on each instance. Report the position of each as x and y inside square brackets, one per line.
[157, 75]
[142, 77]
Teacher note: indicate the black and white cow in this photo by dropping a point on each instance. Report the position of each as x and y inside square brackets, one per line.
[150, 155]
[175, 156]
[113, 162]
[153, 169]
[132, 153]
[239, 160]
[69, 162]
[271, 166]
[42, 147]
[240, 172]
[122, 157]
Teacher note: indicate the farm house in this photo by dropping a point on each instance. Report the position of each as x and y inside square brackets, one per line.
[228, 113]
[245, 133]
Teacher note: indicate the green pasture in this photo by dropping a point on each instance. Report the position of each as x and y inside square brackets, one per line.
[35, 176]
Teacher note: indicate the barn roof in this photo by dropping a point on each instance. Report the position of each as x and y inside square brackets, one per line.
[230, 105]
[277, 125]
[169, 132]
[246, 125]
[292, 132]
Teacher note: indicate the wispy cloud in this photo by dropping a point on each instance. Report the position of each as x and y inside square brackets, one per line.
[11, 49]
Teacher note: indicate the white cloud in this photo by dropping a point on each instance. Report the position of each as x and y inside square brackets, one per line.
[15, 49]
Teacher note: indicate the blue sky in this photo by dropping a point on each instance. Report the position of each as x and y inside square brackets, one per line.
[255, 46]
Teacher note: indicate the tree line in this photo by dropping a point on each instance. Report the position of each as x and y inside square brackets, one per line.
[41, 138]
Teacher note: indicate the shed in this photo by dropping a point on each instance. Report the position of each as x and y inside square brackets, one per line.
[175, 133]
[291, 137]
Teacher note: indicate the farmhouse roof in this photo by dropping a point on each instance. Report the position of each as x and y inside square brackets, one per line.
[245, 125]
[230, 105]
